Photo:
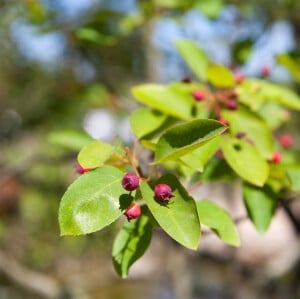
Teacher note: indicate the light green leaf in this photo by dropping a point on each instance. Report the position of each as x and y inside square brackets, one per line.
[70, 138]
[245, 160]
[165, 99]
[131, 243]
[94, 154]
[91, 202]
[184, 138]
[143, 121]
[219, 76]
[261, 204]
[291, 63]
[195, 58]
[255, 128]
[293, 172]
[219, 220]
[197, 159]
[179, 217]
[210, 8]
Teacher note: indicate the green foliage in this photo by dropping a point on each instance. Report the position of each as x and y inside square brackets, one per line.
[226, 135]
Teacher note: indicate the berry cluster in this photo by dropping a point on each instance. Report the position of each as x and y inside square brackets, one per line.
[130, 182]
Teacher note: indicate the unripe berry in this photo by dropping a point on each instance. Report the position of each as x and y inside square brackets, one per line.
[286, 140]
[198, 95]
[133, 211]
[276, 157]
[130, 181]
[163, 192]
[81, 170]
[231, 105]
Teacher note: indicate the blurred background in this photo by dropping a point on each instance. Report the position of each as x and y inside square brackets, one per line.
[66, 69]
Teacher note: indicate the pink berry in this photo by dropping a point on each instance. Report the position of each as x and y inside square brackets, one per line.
[130, 181]
[198, 95]
[286, 140]
[81, 170]
[276, 157]
[133, 211]
[231, 105]
[163, 192]
[265, 71]
[239, 78]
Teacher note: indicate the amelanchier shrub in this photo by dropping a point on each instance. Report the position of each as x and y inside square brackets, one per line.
[220, 126]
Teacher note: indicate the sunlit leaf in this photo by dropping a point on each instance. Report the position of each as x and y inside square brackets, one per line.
[219, 76]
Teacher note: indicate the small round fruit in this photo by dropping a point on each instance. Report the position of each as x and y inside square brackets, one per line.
[286, 141]
[130, 181]
[163, 192]
[223, 121]
[133, 211]
[231, 105]
[239, 78]
[81, 170]
[198, 95]
[276, 157]
[265, 71]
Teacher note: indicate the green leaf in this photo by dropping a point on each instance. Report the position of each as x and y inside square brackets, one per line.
[245, 160]
[210, 8]
[179, 217]
[165, 99]
[219, 220]
[197, 159]
[91, 202]
[196, 59]
[261, 204]
[291, 62]
[94, 154]
[293, 172]
[255, 128]
[219, 76]
[143, 121]
[184, 138]
[131, 243]
[70, 138]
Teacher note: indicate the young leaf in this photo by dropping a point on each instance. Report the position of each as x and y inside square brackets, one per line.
[179, 217]
[131, 243]
[184, 138]
[144, 121]
[196, 59]
[94, 154]
[91, 202]
[165, 99]
[255, 128]
[219, 220]
[219, 76]
[261, 204]
[197, 159]
[245, 160]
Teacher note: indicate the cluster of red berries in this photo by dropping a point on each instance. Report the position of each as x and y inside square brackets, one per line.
[131, 182]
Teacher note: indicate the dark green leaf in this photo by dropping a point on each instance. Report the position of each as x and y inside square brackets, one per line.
[91, 202]
[131, 243]
[184, 138]
[219, 220]
[245, 160]
[255, 128]
[219, 76]
[179, 217]
[94, 154]
[261, 204]
[196, 59]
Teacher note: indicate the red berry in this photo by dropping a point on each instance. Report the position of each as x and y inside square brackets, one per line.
[81, 170]
[231, 105]
[133, 211]
[239, 78]
[276, 157]
[163, 192]
[130, 181]
[286, 140]
[223, 121]
[265, 71]
[198, 95]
